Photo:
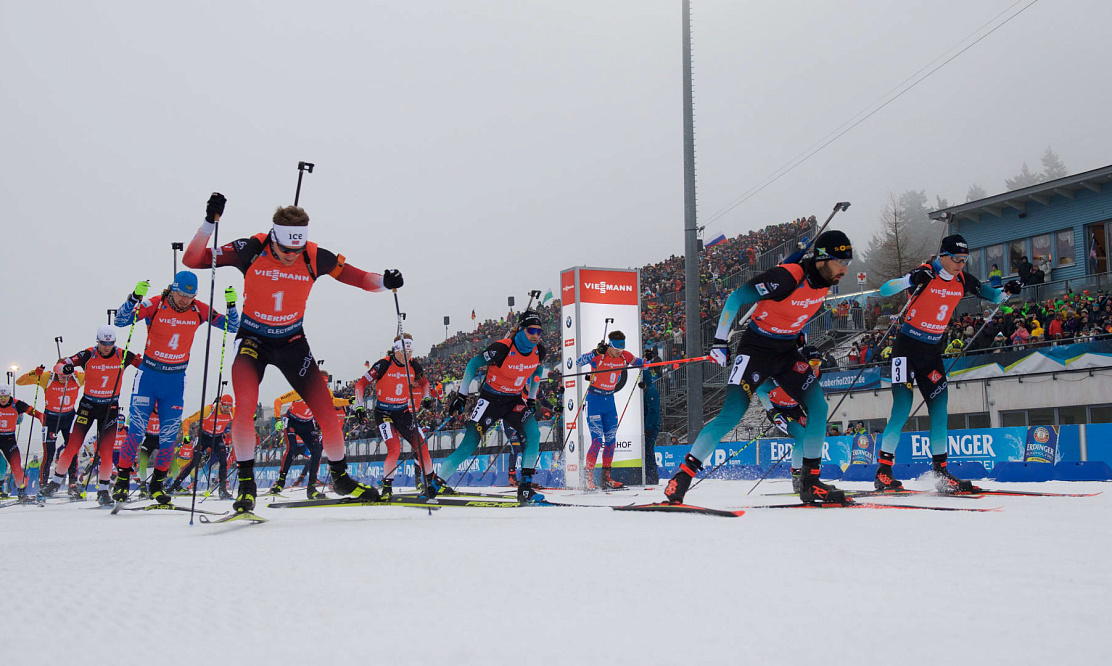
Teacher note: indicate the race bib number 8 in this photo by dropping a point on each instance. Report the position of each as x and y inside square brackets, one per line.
[738, 371]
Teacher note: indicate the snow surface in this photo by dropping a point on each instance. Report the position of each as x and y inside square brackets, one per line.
[355, 585]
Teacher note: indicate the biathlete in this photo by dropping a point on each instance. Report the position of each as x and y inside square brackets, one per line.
[788, 296]
[609, 361]
[104, 366]
[937, 287]
[61, 398]
[211, 439]
[10, 409]
[280, 268]
[302, 438]
[394, 384]
[513, 364]
[172, 320]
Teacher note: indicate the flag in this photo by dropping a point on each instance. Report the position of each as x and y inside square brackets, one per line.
[547, 298]
[472, 315]
[718, 240]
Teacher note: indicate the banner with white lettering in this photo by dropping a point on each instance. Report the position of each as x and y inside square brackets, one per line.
[590, 297]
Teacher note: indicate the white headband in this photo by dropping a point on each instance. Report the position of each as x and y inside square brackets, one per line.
[290, 236]
[408, 344]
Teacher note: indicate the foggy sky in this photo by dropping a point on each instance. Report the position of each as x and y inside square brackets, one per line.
[482, 146]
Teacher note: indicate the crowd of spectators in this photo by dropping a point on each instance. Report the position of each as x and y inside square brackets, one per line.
[662, 284]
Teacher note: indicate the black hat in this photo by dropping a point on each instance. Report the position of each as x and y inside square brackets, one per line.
[833, 245]
[954, 245]
[529, 318]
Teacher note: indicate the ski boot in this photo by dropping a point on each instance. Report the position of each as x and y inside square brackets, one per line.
[343, 484]
[884, 481]
[120, 490]
[812, 490]
[74, 492]
[948, 483]
[312, 493]
[4, 495]
[387, 490]
[589, 478]
[222, 492]
[245, 498]
[103, 498]
[526, 489]
[434, 485]
[276, 489]
[512, 476]
[157, 493]
[608, 483]
[21, 495]
[796, 483]
[144, 493]
[49, 489]
[681, 480]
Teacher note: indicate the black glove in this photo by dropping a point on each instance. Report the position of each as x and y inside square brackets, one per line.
[601, 348]
[457, 404]
[215, 207]
[67, 369]
[920, 276]
[392, 278]
[426, 403]
[1013, 287]
[530, 407]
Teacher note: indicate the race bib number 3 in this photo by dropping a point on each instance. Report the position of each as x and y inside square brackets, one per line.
[899, 370]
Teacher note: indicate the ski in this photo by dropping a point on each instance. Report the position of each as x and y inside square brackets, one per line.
[1030, 493]
[19, 502]
[892, 493]
[874, 505]
[163, 507]
[247, 516]
[668, 507]
[412, 501]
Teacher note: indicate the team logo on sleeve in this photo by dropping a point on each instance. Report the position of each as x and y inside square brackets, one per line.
[801, 367]
[935, 376]
[761, 289]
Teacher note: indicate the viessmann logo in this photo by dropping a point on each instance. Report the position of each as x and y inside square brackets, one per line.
[602, 286]
[275, 275]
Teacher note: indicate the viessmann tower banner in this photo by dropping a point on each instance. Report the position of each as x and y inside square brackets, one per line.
[589, 296]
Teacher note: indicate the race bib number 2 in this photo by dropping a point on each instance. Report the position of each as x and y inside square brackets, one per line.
[737, 373]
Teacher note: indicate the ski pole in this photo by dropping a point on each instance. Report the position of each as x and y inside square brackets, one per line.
[30, 430]
[302, 167]
[674, 363]
[208, 344]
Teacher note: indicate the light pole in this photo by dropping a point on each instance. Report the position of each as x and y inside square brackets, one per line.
[446, 321]
[11, 378]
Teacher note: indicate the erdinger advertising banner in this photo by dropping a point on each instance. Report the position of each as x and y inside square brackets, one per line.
[589, 297]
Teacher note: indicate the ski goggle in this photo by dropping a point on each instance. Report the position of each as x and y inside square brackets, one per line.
[533, 330]
[957, 258]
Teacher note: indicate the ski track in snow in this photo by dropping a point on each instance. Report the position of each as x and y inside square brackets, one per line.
[1028, 585]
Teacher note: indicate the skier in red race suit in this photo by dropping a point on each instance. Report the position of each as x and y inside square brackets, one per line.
[395, 382]
[280, 268]
[10, 409]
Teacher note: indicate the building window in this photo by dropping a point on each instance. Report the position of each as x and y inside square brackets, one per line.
[1040, 249]
[1064, 247]
[979, 420]
[1100, 414]
[1017, 250]
[994, 254]
[973, 266]
[1013, 419]
[1074, 415]
[1040, 417]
